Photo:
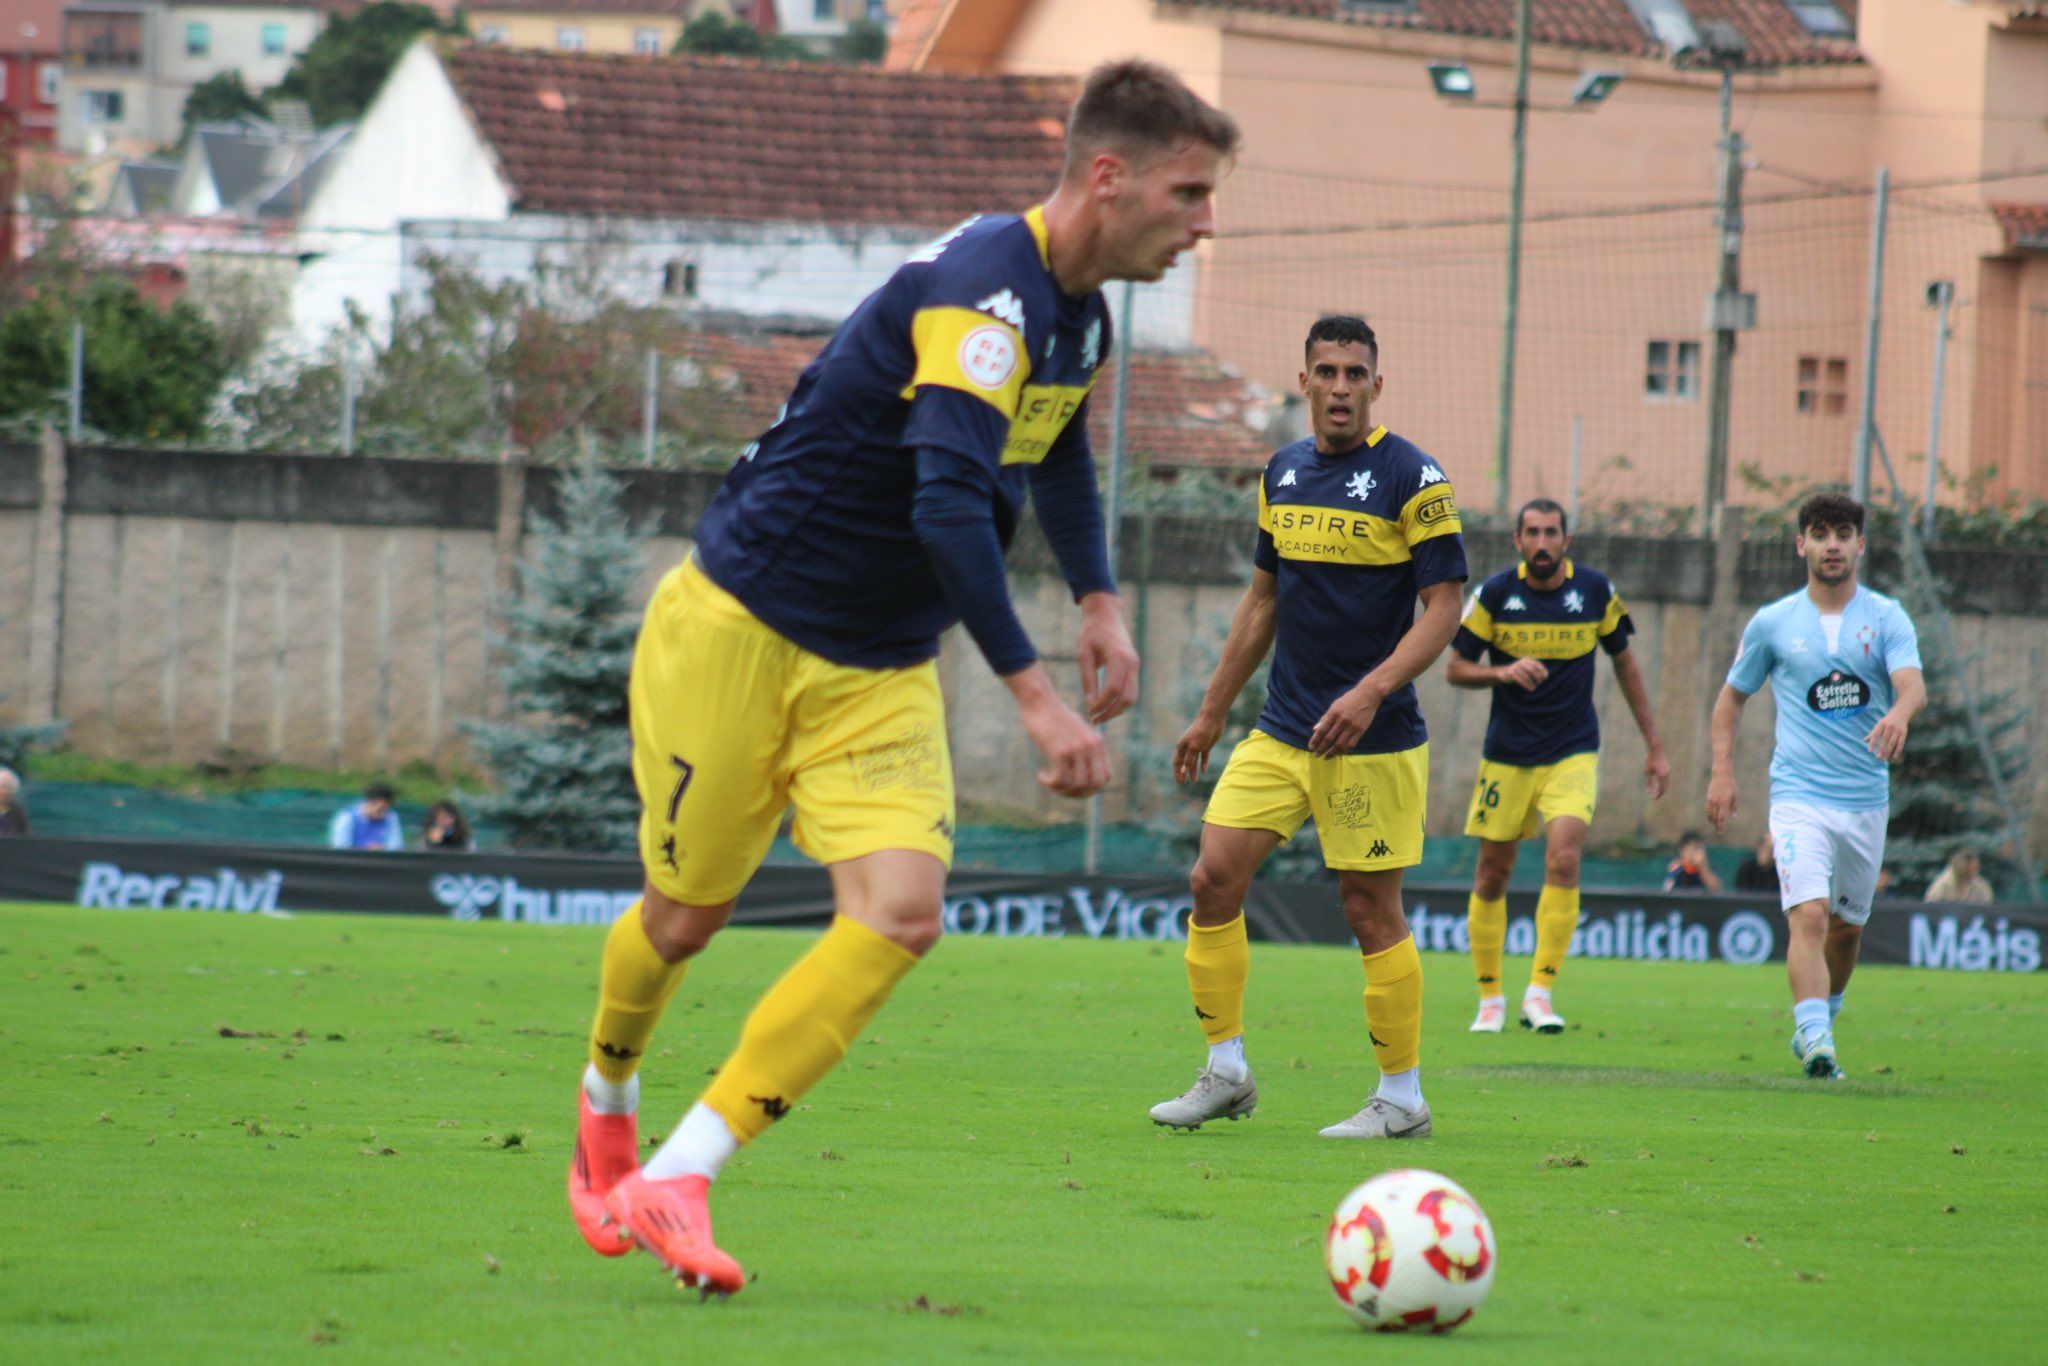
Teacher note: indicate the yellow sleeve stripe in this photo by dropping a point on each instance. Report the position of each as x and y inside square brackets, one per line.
[1610, 620]
[960, 348]
[1265, 511]
[1478, 620]
[1432, 512]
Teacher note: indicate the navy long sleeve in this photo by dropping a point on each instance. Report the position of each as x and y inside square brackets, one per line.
[953, 515]
[1070, 512]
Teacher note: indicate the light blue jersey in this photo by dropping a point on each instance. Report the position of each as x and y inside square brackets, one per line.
[1828, 697]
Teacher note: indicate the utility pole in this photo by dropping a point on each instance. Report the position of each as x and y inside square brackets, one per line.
[1504, 440]
[1940, 295]
[1729, 310]
[1866, 424]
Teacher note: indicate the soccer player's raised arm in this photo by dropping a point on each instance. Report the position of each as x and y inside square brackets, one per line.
[1251, 636]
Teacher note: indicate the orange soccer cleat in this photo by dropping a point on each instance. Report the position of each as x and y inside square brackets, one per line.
[672, 1220]
[607, 1151]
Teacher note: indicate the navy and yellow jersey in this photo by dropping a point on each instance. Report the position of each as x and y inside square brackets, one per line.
[1509, 620]
[969, 353]
[1352, 538]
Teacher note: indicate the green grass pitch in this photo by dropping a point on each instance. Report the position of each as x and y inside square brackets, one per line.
[255, 1138]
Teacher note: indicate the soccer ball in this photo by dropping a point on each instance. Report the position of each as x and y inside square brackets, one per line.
[1410, 1250]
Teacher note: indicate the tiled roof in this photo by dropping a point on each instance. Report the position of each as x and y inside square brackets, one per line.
[1775, 35]
[2026, 225]
[1185, 409]
[657, 137]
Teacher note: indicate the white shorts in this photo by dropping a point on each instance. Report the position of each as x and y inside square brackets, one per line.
[1828, 855]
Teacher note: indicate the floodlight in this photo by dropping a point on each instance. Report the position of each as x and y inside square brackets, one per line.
[1594, 86]
[1453, 80]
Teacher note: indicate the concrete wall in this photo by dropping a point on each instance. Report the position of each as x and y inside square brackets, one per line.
[187, 605]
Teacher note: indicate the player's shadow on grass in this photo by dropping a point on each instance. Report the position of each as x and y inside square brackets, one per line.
[1575, 1074]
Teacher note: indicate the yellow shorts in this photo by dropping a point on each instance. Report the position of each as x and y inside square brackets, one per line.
[1368, 808]
[1513, 803]
[732, 723]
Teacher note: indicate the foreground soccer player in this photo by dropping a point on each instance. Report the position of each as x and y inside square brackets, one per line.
[1354, 525]
[790, 659]
[1540, 768]
[1844, 667]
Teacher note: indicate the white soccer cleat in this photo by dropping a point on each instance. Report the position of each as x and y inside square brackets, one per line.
[1493, 1014]
[1815, 1050]
[1541, 1018]
[1381, 1118]
[1211, 1097]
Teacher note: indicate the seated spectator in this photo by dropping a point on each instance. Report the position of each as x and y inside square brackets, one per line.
[1962, 880]
[13, 815]
[1759, 872]
[445, 830]
[369, 824]
[1689, 871]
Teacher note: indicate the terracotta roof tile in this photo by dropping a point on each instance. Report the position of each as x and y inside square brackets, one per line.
[658, 137]
[2026, 225]
[1775, 35]
[1185, 409]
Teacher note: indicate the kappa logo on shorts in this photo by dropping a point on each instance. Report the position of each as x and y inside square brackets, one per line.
[1351, 807]
[1379, 850]
[909, 761]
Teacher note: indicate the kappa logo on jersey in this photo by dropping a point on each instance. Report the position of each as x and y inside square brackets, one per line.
[1362, 483]
[1513, 604]
[1431, 475]
[1091, 345]
[1573, 602]
[1287, 480]
[1005, 305]
[1839, 694]
[988, 356]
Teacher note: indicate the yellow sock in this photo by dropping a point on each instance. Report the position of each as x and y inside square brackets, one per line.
[801, 1029]
[632, 992]
[1486, 923]
[1557, 915]
[1219, 963]
[1393, 1005]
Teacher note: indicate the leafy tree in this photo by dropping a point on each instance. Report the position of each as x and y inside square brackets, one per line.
[711, 34]
[220, 99]
[864, 41]
[150, 372]
[341, 71]
[564, 768]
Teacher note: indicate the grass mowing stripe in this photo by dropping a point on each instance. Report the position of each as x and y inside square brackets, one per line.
[371, 1156]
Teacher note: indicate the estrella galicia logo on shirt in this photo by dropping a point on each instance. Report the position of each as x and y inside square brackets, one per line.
[1839, 694]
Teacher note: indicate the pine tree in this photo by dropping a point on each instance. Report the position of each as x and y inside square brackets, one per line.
[564, 765]
[1941, 796]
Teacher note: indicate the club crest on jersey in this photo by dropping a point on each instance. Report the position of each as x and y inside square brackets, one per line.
[1286, 480]
[1362, 483]
[1574, 602]
[988, 356]
[1005, 305]
[1431, 475]
[1865, 635]
[1091, 345]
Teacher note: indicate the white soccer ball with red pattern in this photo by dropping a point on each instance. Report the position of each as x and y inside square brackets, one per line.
[1410, 1251]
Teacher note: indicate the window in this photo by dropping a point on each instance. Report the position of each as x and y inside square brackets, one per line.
[101, 106]
[1823, 385]
[47, 76]
[494, 35]
[273, 40]
[821, 9]
[679, 279]
[1671, 371]
[1820, 18]
[3, 82]
[647, 42]
[198, 39]
[569, 38]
